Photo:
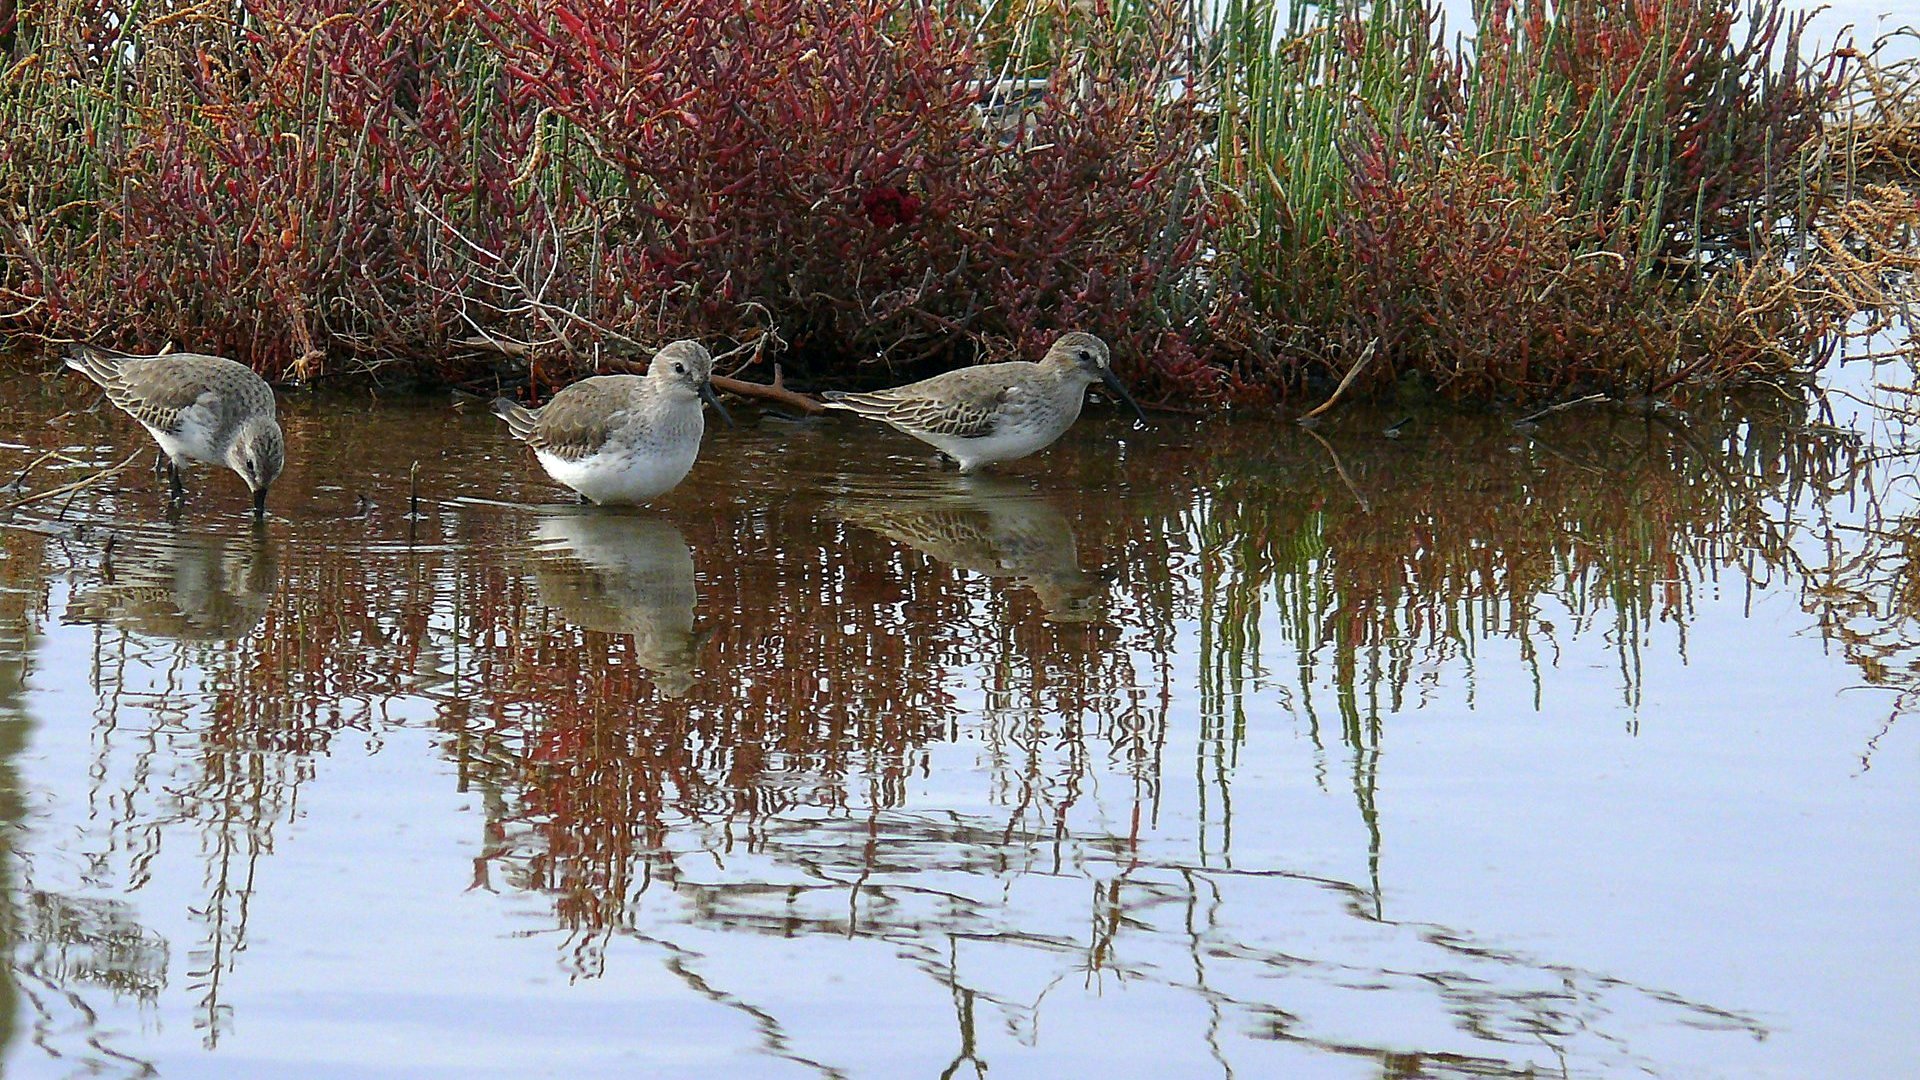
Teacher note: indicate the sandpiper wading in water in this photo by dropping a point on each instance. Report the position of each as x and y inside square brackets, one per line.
[622, 438]
[995, 412]
[198, 408]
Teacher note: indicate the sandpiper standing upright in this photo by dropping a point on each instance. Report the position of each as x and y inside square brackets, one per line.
[198, 408]
[995, 412]
[622, 438]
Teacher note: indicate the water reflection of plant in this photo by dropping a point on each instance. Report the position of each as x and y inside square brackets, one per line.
[54, 948]
[1863, 586]
[21, 564]
[1413, 554]
[840, 660]
[821, 693]
[216, 738]
[603, 790]
[1484, 532]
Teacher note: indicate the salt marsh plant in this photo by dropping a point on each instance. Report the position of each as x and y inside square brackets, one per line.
[320, 185]
[1567, 196]
[1558, 199]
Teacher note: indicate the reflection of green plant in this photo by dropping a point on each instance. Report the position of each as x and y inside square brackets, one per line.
[22, 564]
[1866, 596]
[1611, 518]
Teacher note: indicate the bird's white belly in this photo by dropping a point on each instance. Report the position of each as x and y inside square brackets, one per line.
[193, 442]
[1012, 441]
[622, 476]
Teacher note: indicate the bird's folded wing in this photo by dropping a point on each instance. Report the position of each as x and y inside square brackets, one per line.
[576, 423]
[947, 405]
[165, 396]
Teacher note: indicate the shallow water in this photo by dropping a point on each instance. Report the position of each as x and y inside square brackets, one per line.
[1209, 749]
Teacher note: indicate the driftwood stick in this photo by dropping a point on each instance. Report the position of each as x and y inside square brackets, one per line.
[1352, 374]
[1536, 417]
[515, 349]
[776, 392]
[77, 485]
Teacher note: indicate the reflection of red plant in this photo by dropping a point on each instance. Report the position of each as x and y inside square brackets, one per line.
[887, 206]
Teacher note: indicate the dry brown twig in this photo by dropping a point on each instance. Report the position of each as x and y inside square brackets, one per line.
[1352, 374]
[515, 282]
[776, 392]
[1536, 417]
[78, 485]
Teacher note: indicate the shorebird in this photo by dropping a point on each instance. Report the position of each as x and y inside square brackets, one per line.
[198, 408]
[995, 412]
[622, 438]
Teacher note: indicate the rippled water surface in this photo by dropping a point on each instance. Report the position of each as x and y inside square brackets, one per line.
[1209, 749]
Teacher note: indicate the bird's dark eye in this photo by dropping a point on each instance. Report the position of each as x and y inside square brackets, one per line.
[1086, 357]
[680, 368]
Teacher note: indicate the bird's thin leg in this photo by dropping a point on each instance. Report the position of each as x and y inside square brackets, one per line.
[160, 463]
[179, 489]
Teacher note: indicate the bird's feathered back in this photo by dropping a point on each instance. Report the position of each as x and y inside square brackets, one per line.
[159, 391]
[577, 422]
[960, 404]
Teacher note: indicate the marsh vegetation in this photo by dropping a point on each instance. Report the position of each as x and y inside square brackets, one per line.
[1556, 198]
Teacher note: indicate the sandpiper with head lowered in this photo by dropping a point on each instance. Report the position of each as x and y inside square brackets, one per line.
[622, 438]
[995, 412]
[198, 408]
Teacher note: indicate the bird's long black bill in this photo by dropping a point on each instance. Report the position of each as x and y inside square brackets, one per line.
[707, 395]
[260, 503]
[1113, 384]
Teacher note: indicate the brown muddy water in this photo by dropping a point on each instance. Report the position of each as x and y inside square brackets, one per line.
[1208, 749]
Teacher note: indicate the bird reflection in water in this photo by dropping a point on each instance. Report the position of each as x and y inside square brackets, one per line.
[997, 528]
[182, 586]
[623, 573]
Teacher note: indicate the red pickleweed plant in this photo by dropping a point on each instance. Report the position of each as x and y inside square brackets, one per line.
[831, 164]
[322, 186]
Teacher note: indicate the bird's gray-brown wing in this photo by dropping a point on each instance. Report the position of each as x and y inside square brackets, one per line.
[161, 391]
[580, 418]
[965, 404]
